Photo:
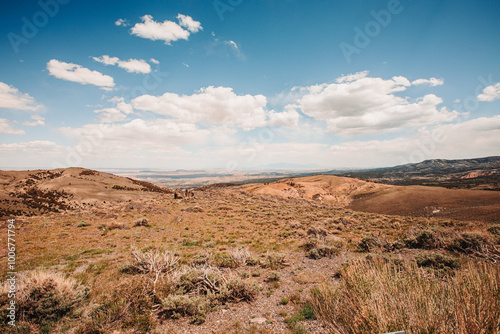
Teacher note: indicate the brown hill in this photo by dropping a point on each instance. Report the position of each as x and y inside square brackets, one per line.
[387, 199]
[41, 191]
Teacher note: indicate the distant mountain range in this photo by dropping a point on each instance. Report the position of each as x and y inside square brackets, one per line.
[479, 173]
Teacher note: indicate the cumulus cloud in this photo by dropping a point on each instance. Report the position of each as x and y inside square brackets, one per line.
[141, 133]
[431, 82]
[36, 146]
[217, 104]
[154, 61]
[124, 108]
[490, 93]
[131, 65]
[122, 22]
[6, 128]
[79, 74]
[110, 115]
[12, 98]
[188, 23]
[359, 104]
[37, 121]
[167, 31]
[474, 138]
[31, 146]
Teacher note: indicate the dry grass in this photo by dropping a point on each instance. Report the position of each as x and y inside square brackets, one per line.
[379, 297]
[251, 230]
[45, 297]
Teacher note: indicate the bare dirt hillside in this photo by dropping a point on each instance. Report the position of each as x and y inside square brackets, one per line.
[373, 197]
[42, 191]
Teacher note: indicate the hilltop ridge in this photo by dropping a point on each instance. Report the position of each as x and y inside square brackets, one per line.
[43, 191]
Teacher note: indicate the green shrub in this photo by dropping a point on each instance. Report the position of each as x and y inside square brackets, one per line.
[127, 307]
[437, 261]
[468, 242]
[495, 229]
[425, 239]
[370, 244]
[225, 261]
[274, 260]
[176, 306]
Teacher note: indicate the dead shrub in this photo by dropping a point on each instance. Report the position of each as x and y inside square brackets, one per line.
[203, 280]
[240, 255]
[153, 263]
[237, 290]
[44, 297]
[476, 245]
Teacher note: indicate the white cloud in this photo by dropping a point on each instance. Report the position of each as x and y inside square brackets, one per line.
[124, 107]
[188, 23]
[39, 154]
[139, 133]
[167, 31]
[44, 146]
[490, 93]
[431, 82]
[229, 47]
[475, 138]
[6, 128]
[38, 121]
[216, 104]
[289, 118]
[131, 65]
[12, 98]
[154, 61]
[79, 74]
[122, 22]
[110, 115]
[358, 104]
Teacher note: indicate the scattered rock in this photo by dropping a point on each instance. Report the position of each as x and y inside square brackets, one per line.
[259, 321]
[141, 222]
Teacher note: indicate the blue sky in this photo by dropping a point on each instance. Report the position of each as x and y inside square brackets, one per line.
[236, 84]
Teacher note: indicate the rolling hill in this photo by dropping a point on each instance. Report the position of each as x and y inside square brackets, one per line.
[42, 191]
[380, 198]
[478, 174]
